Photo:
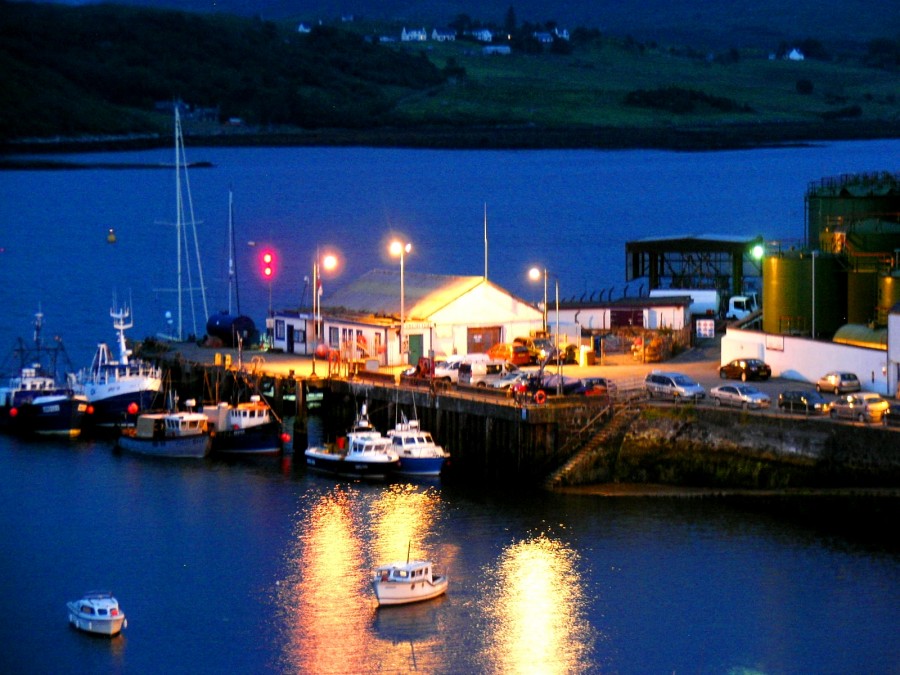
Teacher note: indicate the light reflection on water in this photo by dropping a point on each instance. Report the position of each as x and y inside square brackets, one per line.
[536, 602]
[328, 611]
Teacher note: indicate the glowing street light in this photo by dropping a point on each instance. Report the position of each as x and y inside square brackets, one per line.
[398, 248]
[329, 263]
[535, 274]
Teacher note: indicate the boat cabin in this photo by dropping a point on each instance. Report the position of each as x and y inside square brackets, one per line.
[416, 570]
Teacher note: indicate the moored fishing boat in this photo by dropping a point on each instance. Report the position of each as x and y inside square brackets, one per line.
[247, 428]
[362, 453]
[36, 400]
[168, 434]
[400, 583]
[418, 454]
[118, 389]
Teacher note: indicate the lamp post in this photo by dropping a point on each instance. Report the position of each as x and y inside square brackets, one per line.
[535, 274]
[401, 249]
[329, 262]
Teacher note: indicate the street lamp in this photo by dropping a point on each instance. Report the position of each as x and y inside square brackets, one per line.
[328, 262]
[401, 249]
[535, 274]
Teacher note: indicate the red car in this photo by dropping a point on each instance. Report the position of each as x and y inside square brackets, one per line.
[516, 354]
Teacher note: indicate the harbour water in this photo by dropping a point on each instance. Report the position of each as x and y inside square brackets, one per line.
[259, 567]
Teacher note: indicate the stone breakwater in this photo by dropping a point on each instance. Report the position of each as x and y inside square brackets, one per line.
[690, 446]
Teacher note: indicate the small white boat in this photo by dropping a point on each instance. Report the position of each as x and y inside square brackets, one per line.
[362, 453]
[401, 583]
[97, 612]
[168, 434]
[419, 454]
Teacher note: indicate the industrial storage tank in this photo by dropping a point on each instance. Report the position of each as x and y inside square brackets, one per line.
[836, 201]
[789, 294]
[888, 296]
[862, 297]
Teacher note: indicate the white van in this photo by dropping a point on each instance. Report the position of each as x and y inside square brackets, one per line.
[483, 373]
[448, 368]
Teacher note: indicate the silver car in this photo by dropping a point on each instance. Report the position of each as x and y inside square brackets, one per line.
[740, 395]
[865, 407]
[838, 382]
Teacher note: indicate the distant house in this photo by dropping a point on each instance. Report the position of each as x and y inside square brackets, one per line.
[795, 55]
[443, 35]
[543, 38]
[413, 35]
[482, 35]
[304, 28]
[496, 49]
[561, 33]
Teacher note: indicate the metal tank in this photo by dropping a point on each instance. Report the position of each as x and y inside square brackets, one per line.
[836, 201]
[862, 296]
[888, 296]
[789, 293]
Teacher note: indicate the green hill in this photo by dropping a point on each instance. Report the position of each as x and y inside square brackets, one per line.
[103, 70]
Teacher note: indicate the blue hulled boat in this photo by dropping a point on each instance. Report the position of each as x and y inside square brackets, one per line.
[36, 400]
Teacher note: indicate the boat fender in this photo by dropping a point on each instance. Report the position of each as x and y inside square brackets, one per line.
[540, 397]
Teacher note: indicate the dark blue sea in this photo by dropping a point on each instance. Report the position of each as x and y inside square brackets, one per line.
[259, 567]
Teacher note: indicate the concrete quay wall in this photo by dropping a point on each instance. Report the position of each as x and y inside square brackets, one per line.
[723, 449]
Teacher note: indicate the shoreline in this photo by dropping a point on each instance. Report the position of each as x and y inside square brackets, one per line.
[694, 138]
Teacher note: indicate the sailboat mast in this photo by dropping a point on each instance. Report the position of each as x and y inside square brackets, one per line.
[178, 216]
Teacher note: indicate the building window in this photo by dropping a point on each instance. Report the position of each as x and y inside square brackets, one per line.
[334, 337]
[279, 329]
[299, 336]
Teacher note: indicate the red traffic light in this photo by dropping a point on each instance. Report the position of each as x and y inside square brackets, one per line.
[268, 264]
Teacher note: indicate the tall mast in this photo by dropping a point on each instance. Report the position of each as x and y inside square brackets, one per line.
[178, 219]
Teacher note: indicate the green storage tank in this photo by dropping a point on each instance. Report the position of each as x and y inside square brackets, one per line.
[862, 296]
[788, 294]
[888, 296]
[840, 200]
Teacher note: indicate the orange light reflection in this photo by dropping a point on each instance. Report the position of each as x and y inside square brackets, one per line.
[538, 608]
[322, 599]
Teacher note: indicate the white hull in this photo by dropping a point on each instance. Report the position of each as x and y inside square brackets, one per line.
[91, 624]
[188, 446]
[402, 593]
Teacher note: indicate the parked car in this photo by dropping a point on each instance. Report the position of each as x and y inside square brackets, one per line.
[800, 400]
[672, 385]
[864, 407]
[745, 369]
[838, 382]
[740, 395]
[539, 348]
[448, 370]
[508, 351]
[510, 379]
[599, 386]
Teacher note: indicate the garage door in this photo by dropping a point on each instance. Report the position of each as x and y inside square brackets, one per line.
[479, 340]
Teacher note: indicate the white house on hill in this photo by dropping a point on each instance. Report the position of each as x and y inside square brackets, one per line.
[443, 313]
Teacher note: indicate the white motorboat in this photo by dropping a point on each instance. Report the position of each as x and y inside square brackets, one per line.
[400, 583]
[168, 434]
[97, 612]
[362, 453]
[419, 454]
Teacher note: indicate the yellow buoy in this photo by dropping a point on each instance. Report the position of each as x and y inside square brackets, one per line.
[111, 236]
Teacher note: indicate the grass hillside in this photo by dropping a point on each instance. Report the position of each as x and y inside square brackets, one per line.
[100, 70]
